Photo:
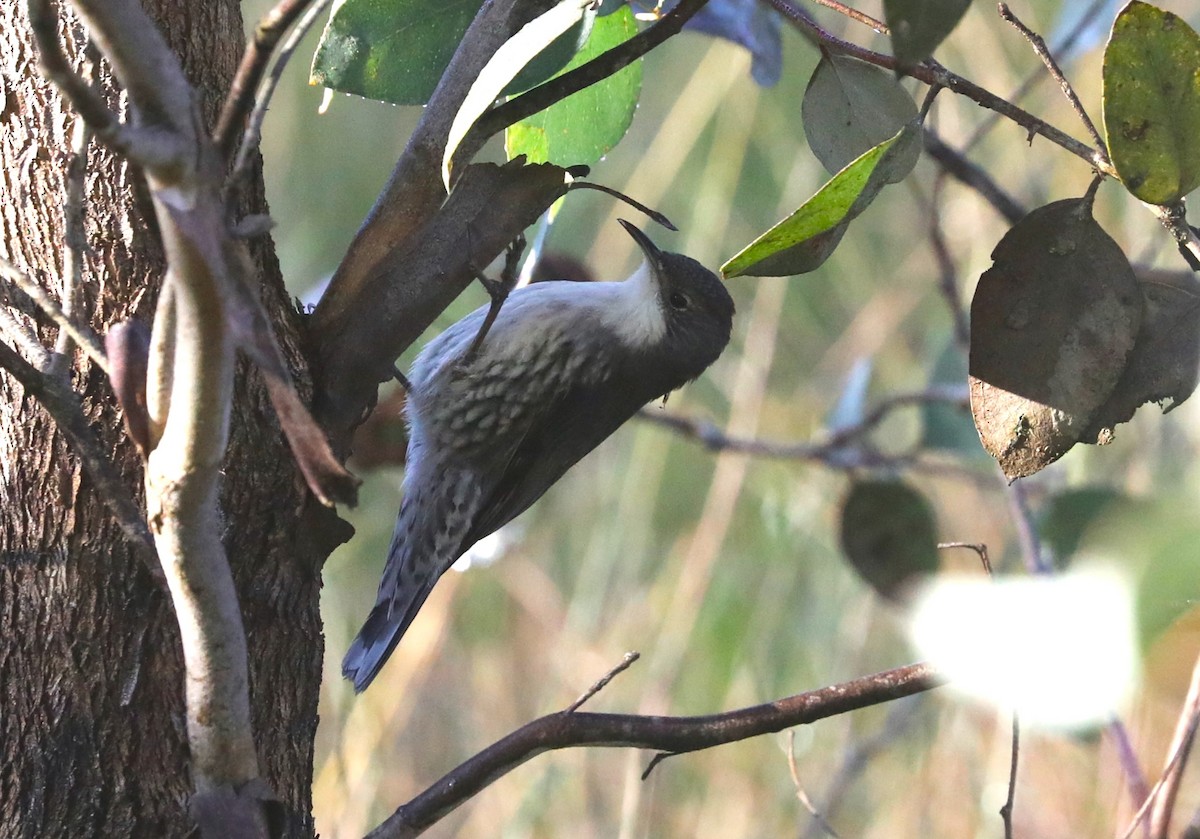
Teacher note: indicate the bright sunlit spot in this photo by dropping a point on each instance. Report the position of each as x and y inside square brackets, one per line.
[1059, 650]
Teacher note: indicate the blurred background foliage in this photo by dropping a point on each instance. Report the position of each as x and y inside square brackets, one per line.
[724, 570]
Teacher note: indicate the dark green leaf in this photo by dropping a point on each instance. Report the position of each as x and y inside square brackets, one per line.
[806, 238]
[397, 50]
[918, 26]
[1152, 103]
[582, 128]
[849, 107]
[393, 50]
[1068, 516]
[889, 535]
[1053, 322]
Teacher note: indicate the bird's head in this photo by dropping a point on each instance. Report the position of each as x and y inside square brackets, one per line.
[696, 307]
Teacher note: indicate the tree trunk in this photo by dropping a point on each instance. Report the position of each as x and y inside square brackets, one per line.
[92, 729]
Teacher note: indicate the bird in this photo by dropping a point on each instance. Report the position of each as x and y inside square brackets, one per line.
[493, 425]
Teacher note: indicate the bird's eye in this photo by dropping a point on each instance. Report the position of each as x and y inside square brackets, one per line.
[677, 300]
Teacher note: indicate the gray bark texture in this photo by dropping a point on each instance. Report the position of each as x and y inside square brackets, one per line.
[92, 731]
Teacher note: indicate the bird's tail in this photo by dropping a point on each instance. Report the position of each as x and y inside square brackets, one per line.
[434, 521]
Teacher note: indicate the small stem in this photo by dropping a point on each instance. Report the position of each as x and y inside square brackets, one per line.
[1007, 810]
[854, 14]
[1043, 52]
[253, 132]
[238, 103]
[626, 662]
[82, 335]
[931, 72]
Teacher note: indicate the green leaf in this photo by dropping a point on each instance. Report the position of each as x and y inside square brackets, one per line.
[584, 127]
[503, 67]
[393, 50]
[918, 26]
[889, 534]
[1152, 103]
[849, 107]
[1068, 515]
[396, 50]
[806, 238]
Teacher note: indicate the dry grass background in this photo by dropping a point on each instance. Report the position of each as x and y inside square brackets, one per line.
[723, 570]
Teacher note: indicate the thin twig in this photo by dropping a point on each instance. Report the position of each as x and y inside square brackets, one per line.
[1033, 79]
[667, 735]
[139, 70]
[858, 757]
[1135, 780]
[980, 549]
[1181, 744]
[948, 274]
[931, 72]
[1027, 535]
[253, 132]
[88, 341]
[601, 67]
[801, 795]
[75, 238]
[956, 164]
[1175, 757]
[53, 63]
[714, 438]
[1006, 811]
[625, 663]
[241, 98]
[854, 14]
[1039, 46]
[63, 405]
[24, 339]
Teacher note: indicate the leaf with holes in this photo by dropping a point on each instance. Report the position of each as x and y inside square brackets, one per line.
[1053, 323]
[1152, 103]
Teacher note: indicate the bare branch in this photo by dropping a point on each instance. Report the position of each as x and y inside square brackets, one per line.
[715, 439]
[242, 92]
[87, 340]
[854, 14]
[1043, 52]
[669, 735]
[24, 338]
[958, 166]
[1006, 810]
[1181, 746]
[625, 663]
[931, 72]
[253, 133]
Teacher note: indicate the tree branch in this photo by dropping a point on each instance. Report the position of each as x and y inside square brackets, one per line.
[931, 72]
[666, 735]
[242, 92]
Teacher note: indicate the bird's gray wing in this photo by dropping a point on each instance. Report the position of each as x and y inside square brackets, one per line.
[573, 424]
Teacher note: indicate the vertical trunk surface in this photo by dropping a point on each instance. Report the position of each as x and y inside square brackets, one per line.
[92, 734]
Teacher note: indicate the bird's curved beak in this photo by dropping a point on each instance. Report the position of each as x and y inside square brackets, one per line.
[651, 251]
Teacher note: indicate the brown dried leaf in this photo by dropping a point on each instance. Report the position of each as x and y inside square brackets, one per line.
[1165, 362]
[1053, 323]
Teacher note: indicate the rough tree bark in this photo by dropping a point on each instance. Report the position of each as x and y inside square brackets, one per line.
[92, 736]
